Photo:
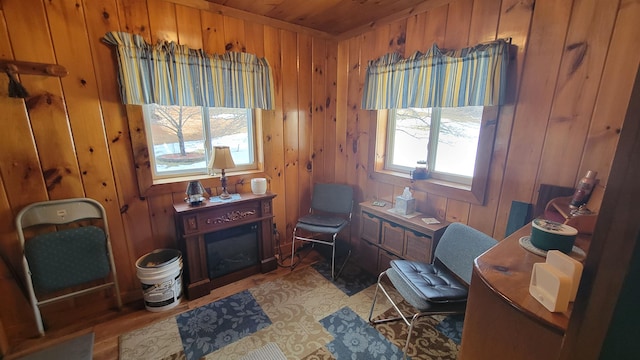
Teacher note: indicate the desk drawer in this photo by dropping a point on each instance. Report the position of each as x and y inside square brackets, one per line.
[217, 218]
[368, 258]
[418, 246]
[370, 228]
[384, 258]
[392, 237]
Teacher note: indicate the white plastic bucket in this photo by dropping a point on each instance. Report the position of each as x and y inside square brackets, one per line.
[160, 273]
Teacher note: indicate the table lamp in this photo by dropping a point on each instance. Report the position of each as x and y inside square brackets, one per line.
[221, 159]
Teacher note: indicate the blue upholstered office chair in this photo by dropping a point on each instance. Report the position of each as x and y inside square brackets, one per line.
[440, 287]
[330, 213]
[67, 246]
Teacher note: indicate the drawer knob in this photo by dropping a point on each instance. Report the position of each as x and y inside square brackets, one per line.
[208, 221]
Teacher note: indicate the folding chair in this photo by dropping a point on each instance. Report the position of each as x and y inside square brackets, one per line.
[67, 246]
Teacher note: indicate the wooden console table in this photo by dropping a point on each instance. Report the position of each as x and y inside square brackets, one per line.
[502, 320]
[194, 222]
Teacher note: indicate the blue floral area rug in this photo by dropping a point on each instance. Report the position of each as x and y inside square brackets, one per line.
[301, 315]
[451, 327]
[210, 327]
[355, 339]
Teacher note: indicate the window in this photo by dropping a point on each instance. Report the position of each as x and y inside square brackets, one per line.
[447, 139]
[180, 138]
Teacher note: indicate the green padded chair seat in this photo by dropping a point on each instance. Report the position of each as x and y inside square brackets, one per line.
[67, 258]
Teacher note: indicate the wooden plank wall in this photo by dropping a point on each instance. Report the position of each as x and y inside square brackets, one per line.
[569, 86]
[570, 83]
[72, 136]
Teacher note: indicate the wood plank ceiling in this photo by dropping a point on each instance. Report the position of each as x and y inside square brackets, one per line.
[334, 17]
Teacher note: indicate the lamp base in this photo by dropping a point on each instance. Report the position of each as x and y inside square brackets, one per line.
[223, 182]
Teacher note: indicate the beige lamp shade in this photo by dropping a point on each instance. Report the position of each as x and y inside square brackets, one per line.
[221, 158]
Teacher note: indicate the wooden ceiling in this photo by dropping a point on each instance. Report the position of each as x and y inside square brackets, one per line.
[334, 17]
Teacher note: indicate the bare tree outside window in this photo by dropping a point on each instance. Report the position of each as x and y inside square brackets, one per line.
[174, 120]
[181, 137]
[226, 122]
[416, 122]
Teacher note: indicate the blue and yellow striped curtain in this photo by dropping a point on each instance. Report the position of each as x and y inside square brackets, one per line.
[474, 76]
[171, 74]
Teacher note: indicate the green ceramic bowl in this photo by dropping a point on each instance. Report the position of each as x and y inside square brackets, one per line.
[551, 235]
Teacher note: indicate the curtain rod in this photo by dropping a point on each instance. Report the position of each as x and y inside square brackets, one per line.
[507, 40]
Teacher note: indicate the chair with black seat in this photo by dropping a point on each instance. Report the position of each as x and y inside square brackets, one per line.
[66, 251]
[439, 287]
[329, 214]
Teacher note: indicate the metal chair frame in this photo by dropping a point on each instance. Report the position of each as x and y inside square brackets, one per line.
[62, 212]
[449, 251]
[414, 318]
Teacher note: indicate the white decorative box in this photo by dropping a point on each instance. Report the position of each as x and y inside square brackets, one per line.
[550, 287]
[554, 283]
[569, 266]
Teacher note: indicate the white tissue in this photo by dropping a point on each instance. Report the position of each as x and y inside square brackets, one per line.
[406, 194]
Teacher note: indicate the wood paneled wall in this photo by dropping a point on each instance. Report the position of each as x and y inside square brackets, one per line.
[72, 136]
[570, 82]
[570, 85]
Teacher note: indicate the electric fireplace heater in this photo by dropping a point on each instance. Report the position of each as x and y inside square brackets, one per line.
[231, 249]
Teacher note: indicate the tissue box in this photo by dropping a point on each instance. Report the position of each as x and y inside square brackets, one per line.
[404, 206]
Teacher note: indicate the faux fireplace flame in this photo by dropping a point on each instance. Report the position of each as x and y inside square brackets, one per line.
[231, 249]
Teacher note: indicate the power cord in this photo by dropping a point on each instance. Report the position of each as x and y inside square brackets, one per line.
[281, 259]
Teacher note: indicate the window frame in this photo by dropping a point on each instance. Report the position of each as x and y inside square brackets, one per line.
[430, 154]
[148, 186]
[206, 130]
[473, 193]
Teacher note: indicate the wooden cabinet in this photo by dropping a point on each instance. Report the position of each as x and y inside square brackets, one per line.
[499, 300]
[386, 236]
[193, 223]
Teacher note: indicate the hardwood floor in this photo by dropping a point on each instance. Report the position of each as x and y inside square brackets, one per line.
[109, 326]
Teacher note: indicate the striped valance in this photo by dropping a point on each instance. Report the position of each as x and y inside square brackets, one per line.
[474, 76]
[171, 74]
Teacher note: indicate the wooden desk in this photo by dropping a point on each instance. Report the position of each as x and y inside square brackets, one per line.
[194, 222]
[503, 321]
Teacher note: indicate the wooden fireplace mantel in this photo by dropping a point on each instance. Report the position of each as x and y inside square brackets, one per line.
[194, 222]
